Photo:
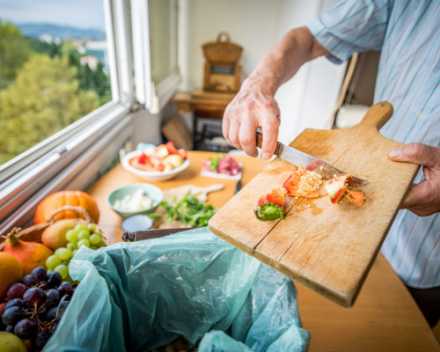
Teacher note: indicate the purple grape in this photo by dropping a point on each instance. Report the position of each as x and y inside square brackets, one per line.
[41, 339]
[64, 302]
[44, 285]
[16, 302]
[28, 280]
[66, 288]
[9, 328]
[51, 314]
[26, 328]
[53, 297]
[34, 295]
[54, 278]
[15, 291]
[11, 315]
[39, 274]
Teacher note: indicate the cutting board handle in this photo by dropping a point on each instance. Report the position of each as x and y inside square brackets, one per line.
[377, 116]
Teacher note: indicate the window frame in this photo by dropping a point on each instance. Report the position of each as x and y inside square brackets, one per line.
[31, 175]
[152, 96]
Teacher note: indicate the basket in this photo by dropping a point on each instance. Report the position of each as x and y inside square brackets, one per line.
[222, 51]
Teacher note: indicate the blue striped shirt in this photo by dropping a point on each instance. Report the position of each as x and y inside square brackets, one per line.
[408, 35]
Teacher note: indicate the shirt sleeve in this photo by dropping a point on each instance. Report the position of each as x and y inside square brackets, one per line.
[350, 26]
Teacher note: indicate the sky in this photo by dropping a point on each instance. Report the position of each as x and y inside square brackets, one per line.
[77, 13]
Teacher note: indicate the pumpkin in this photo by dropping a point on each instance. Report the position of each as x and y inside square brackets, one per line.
[29, 254]
[57, 200]
[10, 271]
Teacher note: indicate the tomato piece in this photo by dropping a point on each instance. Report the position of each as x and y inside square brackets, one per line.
[356, 197]
[336, 198]
[277, 197]
[262, 200]
[183, 153]
[171, 148]
[291, 184]
[160, 167]
[143, 159]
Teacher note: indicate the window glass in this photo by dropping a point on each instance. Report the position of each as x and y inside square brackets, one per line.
[53, 68]
[163, 38]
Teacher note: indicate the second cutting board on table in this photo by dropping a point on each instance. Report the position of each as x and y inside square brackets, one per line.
[328, 247]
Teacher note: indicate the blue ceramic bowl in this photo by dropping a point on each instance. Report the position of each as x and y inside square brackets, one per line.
[153, 192]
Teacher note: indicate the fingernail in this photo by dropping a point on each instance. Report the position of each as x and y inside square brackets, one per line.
[395, 153]
[266, 156]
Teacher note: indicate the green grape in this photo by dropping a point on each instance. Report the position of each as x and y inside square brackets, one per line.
[72, 236]
[62, 270]
[52, 262]
[63, 253]
[84, 234]
[85, 243]
[95, 239]
[80, 227]
[71, 246]
[92, 228]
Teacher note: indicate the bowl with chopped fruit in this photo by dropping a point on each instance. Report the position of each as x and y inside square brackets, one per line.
[158, 163]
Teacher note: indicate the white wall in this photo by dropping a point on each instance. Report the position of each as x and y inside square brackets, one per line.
[305, 101]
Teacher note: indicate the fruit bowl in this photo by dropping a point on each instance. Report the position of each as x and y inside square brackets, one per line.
[151, 175]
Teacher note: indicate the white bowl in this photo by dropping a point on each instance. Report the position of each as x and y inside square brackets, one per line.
[151, 175]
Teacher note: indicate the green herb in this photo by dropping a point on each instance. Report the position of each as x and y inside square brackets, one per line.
[214, 164]
[269, 211]
[190, 211]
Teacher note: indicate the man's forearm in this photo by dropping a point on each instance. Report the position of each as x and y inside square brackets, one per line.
[297, 47]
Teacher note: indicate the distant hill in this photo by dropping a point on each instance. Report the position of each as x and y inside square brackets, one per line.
[36, 30]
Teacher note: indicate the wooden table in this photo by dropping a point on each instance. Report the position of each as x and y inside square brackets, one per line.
[384, 318]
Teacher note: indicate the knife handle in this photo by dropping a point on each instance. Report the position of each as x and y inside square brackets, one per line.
[259, 142]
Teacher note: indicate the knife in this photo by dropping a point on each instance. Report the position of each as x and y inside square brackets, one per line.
[150, 234]
[311, 163]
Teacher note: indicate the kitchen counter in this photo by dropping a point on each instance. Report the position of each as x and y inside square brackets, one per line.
[384, 318]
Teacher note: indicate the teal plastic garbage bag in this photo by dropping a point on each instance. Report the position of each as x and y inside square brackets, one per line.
[141, 295]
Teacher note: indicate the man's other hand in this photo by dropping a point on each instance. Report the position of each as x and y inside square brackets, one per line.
[423, 198]
[252, 107]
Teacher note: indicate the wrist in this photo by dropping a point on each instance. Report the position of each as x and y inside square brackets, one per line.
[261, 82]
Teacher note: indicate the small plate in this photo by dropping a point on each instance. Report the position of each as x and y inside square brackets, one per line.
[138, 222]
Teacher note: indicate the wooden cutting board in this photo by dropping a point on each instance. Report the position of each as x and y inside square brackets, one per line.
[328, 247]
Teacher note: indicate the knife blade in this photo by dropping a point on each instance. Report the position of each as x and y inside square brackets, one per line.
[311, 163]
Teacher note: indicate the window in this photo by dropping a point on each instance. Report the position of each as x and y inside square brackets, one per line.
[54, 68]
[155, 38]
[73, 146]
[163, 37]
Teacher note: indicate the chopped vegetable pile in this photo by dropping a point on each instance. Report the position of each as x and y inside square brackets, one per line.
[272, 206]
[307, 184]
[226, 165]
[190, 211]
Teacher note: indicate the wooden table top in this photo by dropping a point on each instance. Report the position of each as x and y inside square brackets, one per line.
[384, 318]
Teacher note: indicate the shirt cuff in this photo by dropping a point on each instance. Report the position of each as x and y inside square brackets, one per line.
[338, 50]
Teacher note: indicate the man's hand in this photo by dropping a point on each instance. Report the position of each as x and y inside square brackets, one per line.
[423, 199]
[252, 108]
